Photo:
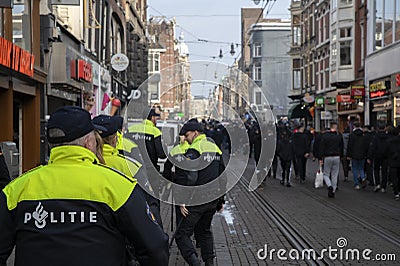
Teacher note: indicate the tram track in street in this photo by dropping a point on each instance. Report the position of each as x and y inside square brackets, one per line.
[372, 228]
[296, 239]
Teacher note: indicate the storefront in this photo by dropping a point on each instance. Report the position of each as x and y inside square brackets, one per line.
[380, 100]
[395, 81]
[21, 81]
[71, 77]
[350, 106]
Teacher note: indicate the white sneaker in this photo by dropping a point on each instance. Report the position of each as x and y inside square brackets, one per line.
[377, 188]
[383, 190]
[357, 187]
[397, 197]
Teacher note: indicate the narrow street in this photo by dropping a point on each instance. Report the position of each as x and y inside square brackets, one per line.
[364, 219]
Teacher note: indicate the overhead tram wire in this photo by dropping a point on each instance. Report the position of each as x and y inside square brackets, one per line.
[198, 40]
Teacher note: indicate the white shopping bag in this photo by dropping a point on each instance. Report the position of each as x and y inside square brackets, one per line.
[319, 178]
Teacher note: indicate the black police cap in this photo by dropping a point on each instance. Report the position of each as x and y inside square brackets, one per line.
[149, 113]
[110, 123]
[120, 121]
[191, 125]
[72, 122]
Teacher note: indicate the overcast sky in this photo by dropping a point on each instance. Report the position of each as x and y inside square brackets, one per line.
[215, 21]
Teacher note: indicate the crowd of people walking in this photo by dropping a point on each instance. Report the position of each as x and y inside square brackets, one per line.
[371, 156]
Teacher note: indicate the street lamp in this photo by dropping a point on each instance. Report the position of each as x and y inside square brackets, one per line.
[256, 1]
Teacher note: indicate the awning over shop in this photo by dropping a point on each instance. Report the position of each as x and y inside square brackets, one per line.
[298, 111]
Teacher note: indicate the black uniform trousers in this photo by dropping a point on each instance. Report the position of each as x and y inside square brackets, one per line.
[199, 219]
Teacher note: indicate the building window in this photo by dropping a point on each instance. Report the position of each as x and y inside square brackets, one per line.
[296, 79]
[387, 23]
[345, 53]
[345, 2]
[334, 4]
[333, 54]
[154, 62]
[257, 71]
[257, 49]
[157, 62]
[345, 32]
[1, 22]
[397, 24]
[258, 97]
[21, 21]
[296, 35]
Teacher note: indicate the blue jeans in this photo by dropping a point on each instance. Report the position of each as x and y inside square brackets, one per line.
[357, 167]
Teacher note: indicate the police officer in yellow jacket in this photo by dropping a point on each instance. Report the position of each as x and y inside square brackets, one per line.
[113, 158]
[199, 217]
[126, 146]
[148, 137]
[75, 211]
[175, 158]
[148, 134]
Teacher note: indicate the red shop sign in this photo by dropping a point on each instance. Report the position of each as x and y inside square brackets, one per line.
[16, 58]
[357, 92]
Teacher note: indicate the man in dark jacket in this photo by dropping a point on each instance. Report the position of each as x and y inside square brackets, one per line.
[345, 161]
[369, 135]
[301, 145]
[331, 149]
[376, 157]
[392, 153]
[284, 151]
[357, 150]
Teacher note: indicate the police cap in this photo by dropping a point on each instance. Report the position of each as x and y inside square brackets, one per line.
[72, 123]
[150, 113]
[191, 125]
[110, 123]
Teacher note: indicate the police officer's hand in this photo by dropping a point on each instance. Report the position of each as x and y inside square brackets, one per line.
[184, 211]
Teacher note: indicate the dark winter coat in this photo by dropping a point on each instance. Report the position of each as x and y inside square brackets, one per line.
[357, 147]
[378, 145]
[284, 149]
[301, 143]
[331, 144]
[392, 151]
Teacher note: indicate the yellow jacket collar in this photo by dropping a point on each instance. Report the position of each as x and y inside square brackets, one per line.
[109, 150]
[71, 154]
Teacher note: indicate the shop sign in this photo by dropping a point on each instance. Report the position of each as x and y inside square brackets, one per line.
[95, 73]
[345, 98]
[308, 98]
[81, 70]
[330, 100]
[396, 82]
[379, 89]
[357, 92]
[16, 58]
[326, 115]
[119, 62]
[319, 101]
